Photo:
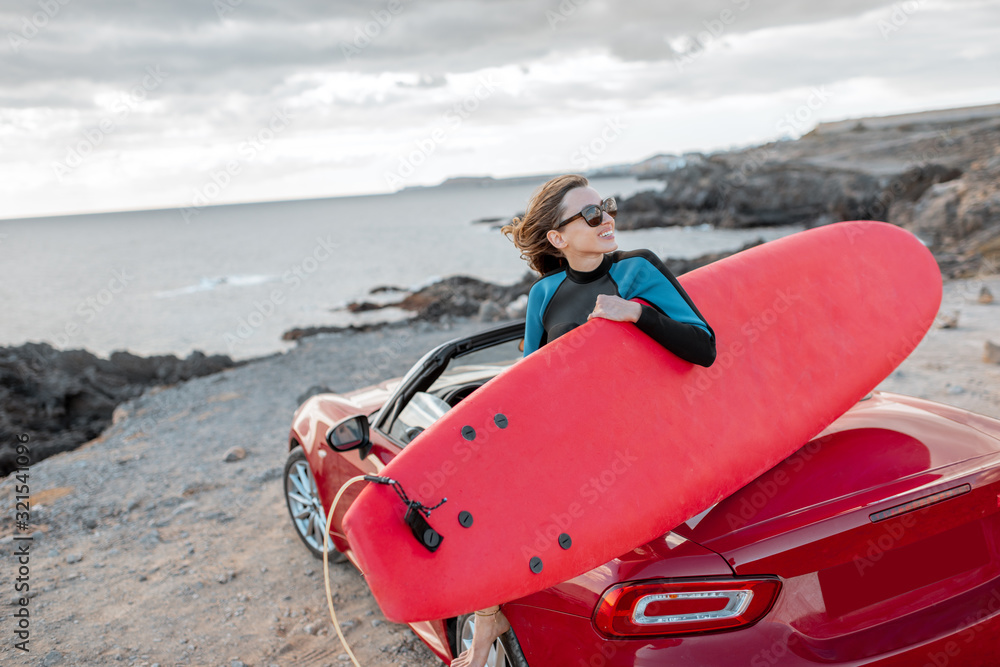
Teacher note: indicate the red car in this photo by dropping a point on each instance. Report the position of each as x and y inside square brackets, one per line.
[878, 542]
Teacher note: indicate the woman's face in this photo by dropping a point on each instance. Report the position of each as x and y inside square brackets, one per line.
[578, 237]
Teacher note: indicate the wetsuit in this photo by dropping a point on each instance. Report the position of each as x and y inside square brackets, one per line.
[562, 299]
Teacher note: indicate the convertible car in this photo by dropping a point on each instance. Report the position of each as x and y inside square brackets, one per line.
[876, 543]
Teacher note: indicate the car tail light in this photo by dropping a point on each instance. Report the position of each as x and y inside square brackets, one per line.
[680, 607]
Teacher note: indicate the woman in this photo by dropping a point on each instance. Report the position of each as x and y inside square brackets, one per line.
[567, 235]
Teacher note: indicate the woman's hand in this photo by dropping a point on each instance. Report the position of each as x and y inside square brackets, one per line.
[616, 308]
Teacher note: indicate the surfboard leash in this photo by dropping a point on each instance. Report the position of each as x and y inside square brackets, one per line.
[416, 517]
[416, 514]
[326, 566]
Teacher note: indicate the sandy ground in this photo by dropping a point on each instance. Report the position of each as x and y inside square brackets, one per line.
[149, 549]
[948, 365]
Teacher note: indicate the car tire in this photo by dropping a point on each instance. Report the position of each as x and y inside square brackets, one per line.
[505, 652]
[305, 507]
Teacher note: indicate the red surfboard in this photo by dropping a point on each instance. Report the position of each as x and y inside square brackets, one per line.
[602, 440]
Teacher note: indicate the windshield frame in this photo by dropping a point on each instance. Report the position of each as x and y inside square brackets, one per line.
[430, 367]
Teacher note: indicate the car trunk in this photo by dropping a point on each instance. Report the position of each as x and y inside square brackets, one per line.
[884, 531]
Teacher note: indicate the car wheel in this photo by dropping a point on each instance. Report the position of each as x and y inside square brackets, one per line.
[505, 652]
[305, 507]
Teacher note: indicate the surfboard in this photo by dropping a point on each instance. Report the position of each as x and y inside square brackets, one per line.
[602, 440]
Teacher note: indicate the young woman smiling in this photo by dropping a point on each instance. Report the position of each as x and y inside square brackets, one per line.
[568, 236]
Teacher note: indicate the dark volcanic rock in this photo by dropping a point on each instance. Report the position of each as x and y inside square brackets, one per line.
[62, 399]
[679, 266]
[457, 296]
[959, 220]
[362, 307]
[305, 332]
[461, 296]
[725, 193]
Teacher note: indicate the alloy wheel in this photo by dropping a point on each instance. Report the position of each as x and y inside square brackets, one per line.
[305, 506]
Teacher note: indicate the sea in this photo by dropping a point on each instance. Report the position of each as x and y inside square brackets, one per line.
[232, 279]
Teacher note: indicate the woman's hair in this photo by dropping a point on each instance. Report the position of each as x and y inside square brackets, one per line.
[544, 213]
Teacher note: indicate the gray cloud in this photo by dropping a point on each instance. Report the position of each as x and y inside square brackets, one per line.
[358, 67]
[255, 48]
[106, 42]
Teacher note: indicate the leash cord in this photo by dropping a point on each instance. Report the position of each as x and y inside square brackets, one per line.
[326, 566]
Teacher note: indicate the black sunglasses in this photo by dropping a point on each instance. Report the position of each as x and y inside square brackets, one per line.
[593, 215]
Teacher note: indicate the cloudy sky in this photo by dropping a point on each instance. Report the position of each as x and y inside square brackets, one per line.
[114, 104]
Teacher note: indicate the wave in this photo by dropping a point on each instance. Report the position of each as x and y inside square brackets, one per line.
[207, 284]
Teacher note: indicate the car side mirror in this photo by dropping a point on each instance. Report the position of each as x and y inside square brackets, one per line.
[350, 433]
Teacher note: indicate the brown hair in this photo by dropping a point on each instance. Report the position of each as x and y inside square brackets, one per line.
[544, 213]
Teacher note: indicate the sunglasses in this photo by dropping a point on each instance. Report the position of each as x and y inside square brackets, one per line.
[593, 215]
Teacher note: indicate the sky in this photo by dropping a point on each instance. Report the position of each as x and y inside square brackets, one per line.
[120, 105]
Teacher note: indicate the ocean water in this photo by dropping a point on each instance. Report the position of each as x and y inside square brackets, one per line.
[232, 279]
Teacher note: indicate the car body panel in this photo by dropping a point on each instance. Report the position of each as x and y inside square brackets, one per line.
[973, 641]
[435, 635]
[872, 587]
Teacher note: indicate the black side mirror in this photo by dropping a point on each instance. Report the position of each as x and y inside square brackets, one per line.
[350, 433]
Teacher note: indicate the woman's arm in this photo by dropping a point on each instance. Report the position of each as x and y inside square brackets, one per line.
[671, 319]
[690, 342]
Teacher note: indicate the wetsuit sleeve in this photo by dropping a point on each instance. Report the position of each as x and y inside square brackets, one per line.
[688, 341]
[533, 329]
[672, 320]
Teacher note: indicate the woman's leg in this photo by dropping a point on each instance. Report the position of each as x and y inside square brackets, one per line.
[490, 624]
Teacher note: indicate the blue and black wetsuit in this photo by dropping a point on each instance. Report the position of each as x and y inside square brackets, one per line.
[561, 300]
